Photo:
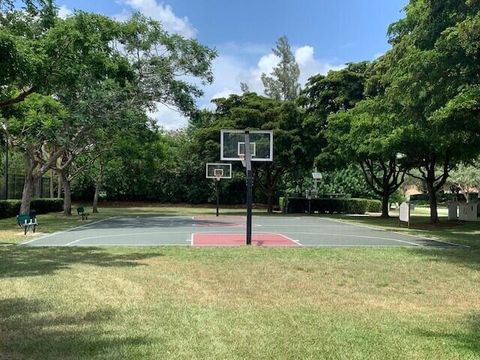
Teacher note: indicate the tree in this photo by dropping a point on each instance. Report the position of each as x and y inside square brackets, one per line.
[99, 83]
[364, 135]
[326, 95]
[430, 78]
[157, 77]
[163, 62]
[282, 83]
[32, 128]
[466, 178]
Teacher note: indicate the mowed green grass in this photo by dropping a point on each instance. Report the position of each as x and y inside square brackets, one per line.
[237, 303]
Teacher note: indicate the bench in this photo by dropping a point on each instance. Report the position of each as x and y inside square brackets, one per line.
[81, 212]
[28, 221]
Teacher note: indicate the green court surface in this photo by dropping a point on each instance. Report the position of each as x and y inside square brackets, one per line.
[206, 230]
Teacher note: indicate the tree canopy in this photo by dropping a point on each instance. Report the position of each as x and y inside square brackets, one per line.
[282, 83]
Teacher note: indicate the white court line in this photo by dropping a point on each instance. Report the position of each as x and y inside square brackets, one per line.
[152, 233]
[125, 244]
[358, 236]
[288, 238]
[64, 231]
[126, 235]
[223, 232]
[395, 232]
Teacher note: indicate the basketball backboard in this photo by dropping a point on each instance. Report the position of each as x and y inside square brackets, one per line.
[232, 145]
[218, 171]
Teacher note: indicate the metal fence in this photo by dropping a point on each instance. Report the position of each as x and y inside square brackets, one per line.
[15, 187]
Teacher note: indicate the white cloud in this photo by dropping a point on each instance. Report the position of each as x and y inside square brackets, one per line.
[224, 93]
[64, 12]
[168, 118]
[309, 65]
[230, 70]
[163, 13]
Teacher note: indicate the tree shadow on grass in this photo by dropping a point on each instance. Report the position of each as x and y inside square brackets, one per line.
[458, 256]
[31, 329]
[17, 261]
[468, 338]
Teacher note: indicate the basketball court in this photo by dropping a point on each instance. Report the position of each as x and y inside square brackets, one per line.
[228, 231]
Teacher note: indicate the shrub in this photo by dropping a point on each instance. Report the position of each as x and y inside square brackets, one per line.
[11, 208]
[331, 206]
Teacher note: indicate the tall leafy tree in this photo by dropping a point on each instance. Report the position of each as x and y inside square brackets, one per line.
[98, 80]
[364, 135]
[282, 83]
[325, 95]
[431, 79]
[32, 127]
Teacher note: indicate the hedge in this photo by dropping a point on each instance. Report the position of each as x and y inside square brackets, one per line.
[11, 208]
[331, 206]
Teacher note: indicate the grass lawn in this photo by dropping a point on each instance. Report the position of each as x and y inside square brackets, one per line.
[239, 303]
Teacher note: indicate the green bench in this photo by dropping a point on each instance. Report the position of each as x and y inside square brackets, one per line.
[81, 212]
[27, 221]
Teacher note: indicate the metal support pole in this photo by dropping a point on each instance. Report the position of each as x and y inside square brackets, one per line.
[218, 195]
[248, 165]
[6, 169]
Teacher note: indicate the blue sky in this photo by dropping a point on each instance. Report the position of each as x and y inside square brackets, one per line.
[324, 34]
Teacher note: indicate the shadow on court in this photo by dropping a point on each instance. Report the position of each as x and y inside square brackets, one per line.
[25, 261]
[34, 330]
[143, 222]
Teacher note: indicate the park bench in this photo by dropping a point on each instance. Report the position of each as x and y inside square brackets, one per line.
[81, 212]
[28, 221]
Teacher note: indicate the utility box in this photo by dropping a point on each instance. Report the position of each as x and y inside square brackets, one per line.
[468, 212]
[452, 211]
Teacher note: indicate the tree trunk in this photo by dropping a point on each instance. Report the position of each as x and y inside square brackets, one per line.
[432, 197]
[270, 201]
[51, 185]
[385, 206]
[95, 198]
[59, 187]
[67, 196]
[433, 208]
[28, 185]
[27, 193]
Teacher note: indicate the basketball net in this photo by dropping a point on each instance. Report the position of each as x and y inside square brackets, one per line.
[217, 174]
[242, 157]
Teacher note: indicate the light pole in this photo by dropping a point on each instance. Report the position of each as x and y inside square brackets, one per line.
[6, 160]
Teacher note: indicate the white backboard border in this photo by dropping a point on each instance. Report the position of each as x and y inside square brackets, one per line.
[218, 166]
[269, 132]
